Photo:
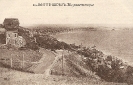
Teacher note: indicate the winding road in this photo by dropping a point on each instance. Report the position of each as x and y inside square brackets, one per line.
[45, 62]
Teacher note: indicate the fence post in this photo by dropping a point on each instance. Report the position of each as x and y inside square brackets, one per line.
[11, 62]
[23, 62]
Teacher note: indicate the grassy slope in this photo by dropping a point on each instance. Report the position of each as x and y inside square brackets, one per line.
[13, 77]
[73, 65]
[17, 55]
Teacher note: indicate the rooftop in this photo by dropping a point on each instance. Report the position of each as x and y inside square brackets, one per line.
[10, 20]
[11, 24]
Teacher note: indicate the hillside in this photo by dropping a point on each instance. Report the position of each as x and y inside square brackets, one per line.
[107, 67]
[14, 77]
[71, 64]
[78, 61]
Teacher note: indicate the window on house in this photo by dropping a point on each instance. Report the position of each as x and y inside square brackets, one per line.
[15, 35]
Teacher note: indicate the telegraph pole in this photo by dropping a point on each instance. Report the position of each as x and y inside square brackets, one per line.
[62, 61]
[62, 64]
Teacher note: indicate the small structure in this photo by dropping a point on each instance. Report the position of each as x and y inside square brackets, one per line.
[12, 38]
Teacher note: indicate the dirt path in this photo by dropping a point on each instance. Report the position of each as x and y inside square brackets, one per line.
[48, 70]
[58, 56]
[46, 60]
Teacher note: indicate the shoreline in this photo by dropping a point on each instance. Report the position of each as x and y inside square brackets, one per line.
[75, 31]
[106, 52]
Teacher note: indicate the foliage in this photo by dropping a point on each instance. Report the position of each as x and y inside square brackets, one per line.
[108, 68]
[51, 43]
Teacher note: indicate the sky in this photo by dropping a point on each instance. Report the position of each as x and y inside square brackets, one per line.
[103, 12]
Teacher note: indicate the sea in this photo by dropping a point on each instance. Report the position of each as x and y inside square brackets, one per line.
[118, 43]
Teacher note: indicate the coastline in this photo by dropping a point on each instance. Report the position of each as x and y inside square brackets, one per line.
[113, 52]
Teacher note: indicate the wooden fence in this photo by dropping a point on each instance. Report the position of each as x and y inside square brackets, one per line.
[16, 63]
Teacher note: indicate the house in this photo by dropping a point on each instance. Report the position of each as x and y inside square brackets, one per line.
[11, 26]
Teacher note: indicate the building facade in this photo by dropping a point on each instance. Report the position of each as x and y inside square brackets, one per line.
[12, 38]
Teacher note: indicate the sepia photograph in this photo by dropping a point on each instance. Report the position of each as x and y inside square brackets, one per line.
[66, 42]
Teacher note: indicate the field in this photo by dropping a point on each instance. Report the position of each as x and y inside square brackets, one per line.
[13, 77]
